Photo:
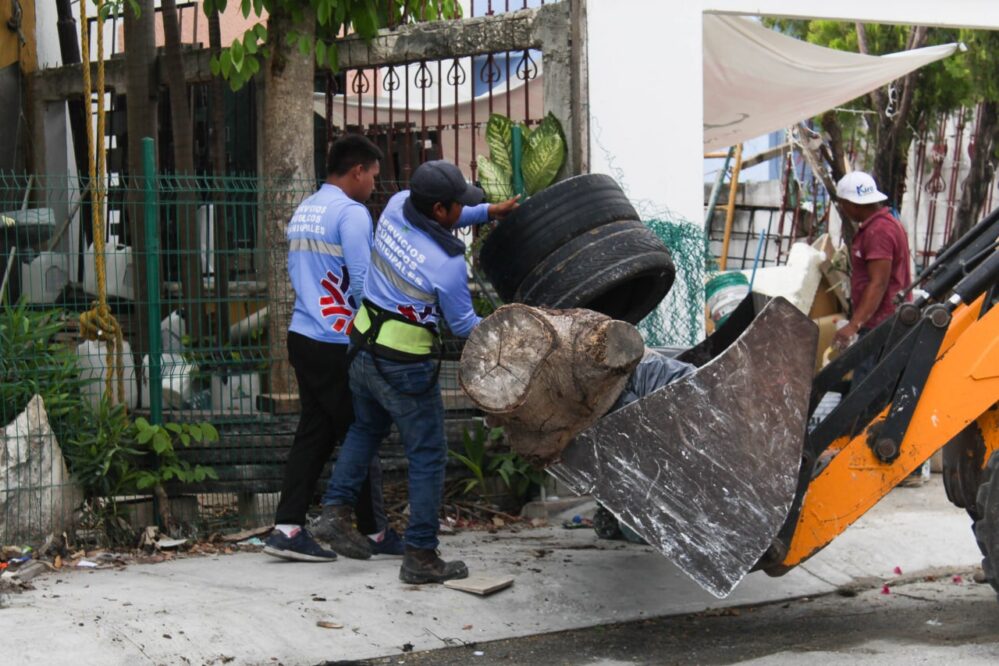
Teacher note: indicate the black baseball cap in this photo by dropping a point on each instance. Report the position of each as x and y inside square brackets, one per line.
[439, 180]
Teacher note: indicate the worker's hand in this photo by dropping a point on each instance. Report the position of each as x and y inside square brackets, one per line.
[499, 211]
[845, 336]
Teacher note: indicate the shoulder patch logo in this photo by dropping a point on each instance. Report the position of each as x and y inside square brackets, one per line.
[419, 316]
[339, 304]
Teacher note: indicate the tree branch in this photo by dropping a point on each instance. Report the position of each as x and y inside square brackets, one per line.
[917, 38]
[877, 95]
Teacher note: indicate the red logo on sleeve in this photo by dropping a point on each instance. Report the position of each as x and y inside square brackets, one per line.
[340, 304]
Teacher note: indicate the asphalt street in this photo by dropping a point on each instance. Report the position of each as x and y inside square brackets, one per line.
[943, 617]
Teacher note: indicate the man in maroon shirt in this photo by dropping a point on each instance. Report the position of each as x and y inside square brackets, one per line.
[879, 269]
[879, 255]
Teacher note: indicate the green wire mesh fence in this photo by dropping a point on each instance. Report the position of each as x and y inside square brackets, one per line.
[221, 351]
[679, 319]
[220, 344]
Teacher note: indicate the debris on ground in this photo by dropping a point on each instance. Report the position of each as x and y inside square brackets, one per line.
[480, 584]
[329, 624]
[87, 550]
[578, 523]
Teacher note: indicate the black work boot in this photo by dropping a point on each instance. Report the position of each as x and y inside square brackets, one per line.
[424, 565]
[336, 527]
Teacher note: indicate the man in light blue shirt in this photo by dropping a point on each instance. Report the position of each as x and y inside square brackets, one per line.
[329, 239]
[416, 277]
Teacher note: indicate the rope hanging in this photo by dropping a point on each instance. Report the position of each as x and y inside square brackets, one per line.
[98, 323]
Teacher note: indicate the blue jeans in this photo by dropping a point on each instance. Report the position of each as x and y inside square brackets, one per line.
[380, 399]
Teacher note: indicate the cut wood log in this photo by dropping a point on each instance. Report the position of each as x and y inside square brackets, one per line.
[547, 375]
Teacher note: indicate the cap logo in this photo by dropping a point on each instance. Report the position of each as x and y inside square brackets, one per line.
[864, 189]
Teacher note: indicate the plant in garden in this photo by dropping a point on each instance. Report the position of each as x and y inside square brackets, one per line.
[518, 474]
[475, 458]
[485, 463]
[543, 153]
[162, 441]
[31, 363]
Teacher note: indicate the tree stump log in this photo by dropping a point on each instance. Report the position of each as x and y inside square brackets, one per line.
[547, 375]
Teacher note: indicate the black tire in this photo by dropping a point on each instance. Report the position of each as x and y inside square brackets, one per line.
[987, 526]
[621, 269]
[963, 459]
[545, 222]
[605, 524]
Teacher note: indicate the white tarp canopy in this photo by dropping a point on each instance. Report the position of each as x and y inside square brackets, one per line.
[757, 80]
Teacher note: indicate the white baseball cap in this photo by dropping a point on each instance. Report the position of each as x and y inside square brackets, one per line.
[859, 188]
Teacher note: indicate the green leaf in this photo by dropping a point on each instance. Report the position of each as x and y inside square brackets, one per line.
[245, 6]
[324, 11]
[250, 41]
[174, 427]
[365, 19]
[215, 67]
[261, 31]
[225, 62]
[544, 154]
[211, 473]
[185, 439]
[499, 136]
[525, 130]
[320, 52]
[142, 423]
[209, 432]
[236, 53]
[161, 443]
[195, 431]
[258, 7]
[495, 180]
[145, 436]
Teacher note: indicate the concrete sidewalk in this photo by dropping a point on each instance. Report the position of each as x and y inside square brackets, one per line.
[253, 609]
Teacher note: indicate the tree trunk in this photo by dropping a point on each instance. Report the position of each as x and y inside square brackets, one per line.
[547, 375]
[837, 153]
[287, 173]
[975, 189]
[219, 230]
[892, 130]
[189, 244]
[140, 50]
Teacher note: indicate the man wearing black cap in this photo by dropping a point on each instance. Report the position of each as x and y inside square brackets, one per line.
[416, 276]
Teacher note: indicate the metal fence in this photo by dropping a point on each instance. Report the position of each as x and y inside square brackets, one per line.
[221, 359]
[218, 362]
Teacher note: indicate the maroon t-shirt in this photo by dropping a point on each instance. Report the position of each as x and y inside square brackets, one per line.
[881, 236]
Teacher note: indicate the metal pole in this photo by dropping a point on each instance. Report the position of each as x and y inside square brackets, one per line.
[518, 148]
[715, 191]
[152, 282]
[733, 188]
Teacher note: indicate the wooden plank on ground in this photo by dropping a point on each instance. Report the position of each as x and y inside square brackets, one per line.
[480, 584]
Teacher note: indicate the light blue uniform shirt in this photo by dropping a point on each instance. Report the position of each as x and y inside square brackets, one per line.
[411, 275]
[329, 240]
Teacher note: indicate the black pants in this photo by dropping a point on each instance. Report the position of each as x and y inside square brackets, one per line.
[323, 390]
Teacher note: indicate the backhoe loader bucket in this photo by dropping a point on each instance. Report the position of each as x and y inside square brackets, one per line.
[705, 469]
